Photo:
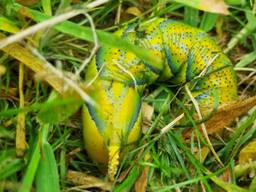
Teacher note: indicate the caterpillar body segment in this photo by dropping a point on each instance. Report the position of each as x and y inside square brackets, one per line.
[188, 55]
[104, 131]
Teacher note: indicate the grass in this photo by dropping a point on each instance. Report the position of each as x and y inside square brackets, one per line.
[160, 162]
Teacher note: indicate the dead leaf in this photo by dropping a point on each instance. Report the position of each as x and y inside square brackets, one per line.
[214, 6]
[141, 183]
[125, 173]
[147, 114]
[226, 114]
[147, 111]
[88, 181]
[226, 176]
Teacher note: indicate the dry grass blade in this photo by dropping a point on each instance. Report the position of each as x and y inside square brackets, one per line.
[171, 124]
[21, 144]
[37, 27]
[141, 183]
[9, 186]
[96, 3]
[40, 66]
[203, 126]
[226, 114]
[46, 24]
[27, 58]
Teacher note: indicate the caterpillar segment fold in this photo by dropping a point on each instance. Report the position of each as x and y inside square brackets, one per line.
[188, 55]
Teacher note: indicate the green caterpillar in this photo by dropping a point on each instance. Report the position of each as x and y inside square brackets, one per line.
[185, 53]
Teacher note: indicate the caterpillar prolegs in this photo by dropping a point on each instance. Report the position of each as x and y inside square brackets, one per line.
[186, 54]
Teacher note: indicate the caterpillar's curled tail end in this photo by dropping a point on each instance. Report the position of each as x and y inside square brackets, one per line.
[114, 152]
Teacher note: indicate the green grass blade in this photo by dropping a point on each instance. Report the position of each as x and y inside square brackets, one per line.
[31, 170]
[181, 184]
[7, 134]
[7, 25]
[236, 2]
[178, 156]
[129, 181]
[46, 4]
[9, 164]
[253, 185]
[85, 33]
[229, 187]
[247, 59]
[47, 172]
[191, 16]
[10, 167]
[247, 30]
[208, 21]
[227, 150]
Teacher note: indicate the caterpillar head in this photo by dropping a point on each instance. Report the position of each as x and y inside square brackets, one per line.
[112, 124]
